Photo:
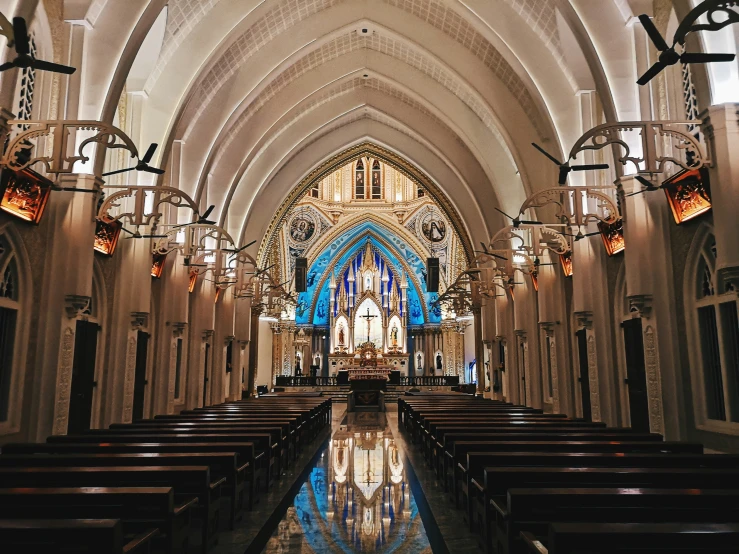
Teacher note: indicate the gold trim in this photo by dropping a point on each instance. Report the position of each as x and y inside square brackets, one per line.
[347, 156]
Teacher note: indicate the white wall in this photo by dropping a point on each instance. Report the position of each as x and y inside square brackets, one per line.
[264, 358]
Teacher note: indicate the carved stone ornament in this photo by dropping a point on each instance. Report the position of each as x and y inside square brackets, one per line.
[243, 344]
[178, 328]
[59, 132]
[584, 319]
[64, 382]
[139, 320]
[75, 305]
[228, 339]
[640, 305]
[654, 381]
[208, 334]
[730, 277]
[570, 202]
[128, 380]
[593, 378]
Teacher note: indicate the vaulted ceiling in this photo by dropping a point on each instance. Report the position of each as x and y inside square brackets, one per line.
[247, 97]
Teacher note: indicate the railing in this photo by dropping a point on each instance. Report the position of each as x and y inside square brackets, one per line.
[422, 381]
[291, 381]
[430, 381]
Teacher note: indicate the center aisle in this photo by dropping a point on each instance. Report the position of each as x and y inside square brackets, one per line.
[357, 497]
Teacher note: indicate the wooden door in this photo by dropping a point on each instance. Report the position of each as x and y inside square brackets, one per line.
[83, 377]
[636, 374]
[584, 379]
[140, 382]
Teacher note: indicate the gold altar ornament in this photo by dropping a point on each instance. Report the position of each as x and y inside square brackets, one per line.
[25, 194]
[688, 193]
[106, 236]
[613, 236]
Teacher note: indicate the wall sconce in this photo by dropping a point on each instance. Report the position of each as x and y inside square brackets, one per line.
[157, 265]
[106, 236]
[25, 194]
[566, 261]
[689, 194]
[613, 236]
[218, 295]
[193, 280]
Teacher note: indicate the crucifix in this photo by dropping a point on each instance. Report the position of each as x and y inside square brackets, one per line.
[368, 317]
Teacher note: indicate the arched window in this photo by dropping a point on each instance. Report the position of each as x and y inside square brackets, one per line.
[359, 180]
[717, 337]
[420, 193]
[9, 294]
[376, 181]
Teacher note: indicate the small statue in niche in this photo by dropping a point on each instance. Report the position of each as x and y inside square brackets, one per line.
[394, 335]
[419, 363]
[438, 362]
[298, 370]
[341, 335]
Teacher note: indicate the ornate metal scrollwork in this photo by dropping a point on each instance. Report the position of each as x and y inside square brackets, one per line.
[570, 203]
[195, 239]
[653, 135]
[61, 131]
[138, 216]
[540, 238]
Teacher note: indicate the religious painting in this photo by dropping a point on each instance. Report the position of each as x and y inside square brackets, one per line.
[394, 336]
[157, 265]
[688, 193]
[566, 261]
[613, 236]
[302, 228]
[25, 194]
[433, 227]
[342, 336]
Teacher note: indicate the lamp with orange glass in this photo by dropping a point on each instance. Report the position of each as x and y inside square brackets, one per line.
[566, 261]
[107, 232]
[25, 194]
[612, 234]
[157, 266]
[193, 280]
[688, 193]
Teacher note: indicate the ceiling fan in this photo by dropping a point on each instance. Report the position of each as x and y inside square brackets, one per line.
[667, 54]
[565, 168]
[203, 220]
[580, 235]
[489, 253]
[24, 59]
[137, 234]
[237, 250]
[516, 221]
[648, 186]
[143, 164]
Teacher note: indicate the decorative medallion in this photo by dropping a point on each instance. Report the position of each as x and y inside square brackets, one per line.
[432, 227]
[302, 227]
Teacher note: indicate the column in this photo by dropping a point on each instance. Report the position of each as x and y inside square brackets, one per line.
[479, 350]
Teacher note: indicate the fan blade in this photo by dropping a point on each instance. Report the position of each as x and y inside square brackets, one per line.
[247, 245]
[644, 181]
[653, 33]
[21, 36]
[118, 171]
[706, 58]
[149, 153]
[638, 192]
[505, 214]
[207, 212]
[127, 231]
[156, 170]
[563, 171]
[530, 222]
[499, 257]
[651, 73]
[547, 154]
[41, 65]
[6, 66]
[587, 167]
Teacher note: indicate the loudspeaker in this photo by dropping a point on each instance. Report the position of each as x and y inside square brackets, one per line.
[432, 274]
[301, 274]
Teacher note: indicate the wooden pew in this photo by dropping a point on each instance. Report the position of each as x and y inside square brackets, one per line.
[262, 458]
[221, 464]
[532, 510]
[498, 480]
[244, 451]
[187, 482]
[621, 538]
[140, 509]
[93, 536]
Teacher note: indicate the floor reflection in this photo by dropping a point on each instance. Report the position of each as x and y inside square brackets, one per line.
[356, 499]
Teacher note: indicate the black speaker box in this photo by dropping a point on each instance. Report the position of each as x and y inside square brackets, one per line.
[432, 274]
[301, 274]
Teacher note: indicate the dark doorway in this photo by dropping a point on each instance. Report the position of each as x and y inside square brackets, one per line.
[636, 375]
[522, 372]
[140, 382]
[205, 373]
[582, 349]
[83, 377]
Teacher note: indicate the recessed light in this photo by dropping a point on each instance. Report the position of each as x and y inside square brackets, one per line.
[364, 30]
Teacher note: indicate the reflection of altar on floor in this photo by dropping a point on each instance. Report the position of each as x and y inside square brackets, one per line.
[368, 388]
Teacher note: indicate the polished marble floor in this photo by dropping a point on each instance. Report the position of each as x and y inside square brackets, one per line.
[356, 498]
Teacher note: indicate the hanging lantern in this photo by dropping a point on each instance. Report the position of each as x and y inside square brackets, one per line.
[193, 280]
[566, 261]
[25, 194]
[535, 279]
[157, 265]
[613, 236]
[218, 295]
[688, 193]
[106, 235]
